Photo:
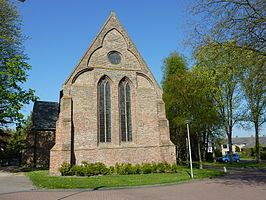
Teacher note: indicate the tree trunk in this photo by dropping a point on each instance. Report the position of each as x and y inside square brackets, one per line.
[229, 134]
[213, 153]
[199, 154]
[205, 135]
[257, 145]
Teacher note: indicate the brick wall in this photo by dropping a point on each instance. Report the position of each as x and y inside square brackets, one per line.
[77, 126]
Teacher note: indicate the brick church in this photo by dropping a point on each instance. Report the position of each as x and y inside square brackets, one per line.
[111, 107]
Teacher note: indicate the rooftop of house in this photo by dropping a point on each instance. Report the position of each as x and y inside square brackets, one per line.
[44, 115]
[249, 142]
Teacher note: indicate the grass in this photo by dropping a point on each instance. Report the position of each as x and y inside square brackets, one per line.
[41, 179]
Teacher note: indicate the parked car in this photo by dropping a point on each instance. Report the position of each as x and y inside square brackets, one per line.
[226, 158]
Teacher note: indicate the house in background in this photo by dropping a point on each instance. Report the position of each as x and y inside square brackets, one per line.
[242, 143]
[41, 137]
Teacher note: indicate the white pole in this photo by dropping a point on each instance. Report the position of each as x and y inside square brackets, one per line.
[189, 149]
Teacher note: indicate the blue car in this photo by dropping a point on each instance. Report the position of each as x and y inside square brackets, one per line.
[226, 158]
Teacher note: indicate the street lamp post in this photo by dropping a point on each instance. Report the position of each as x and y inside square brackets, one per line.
[189, 149]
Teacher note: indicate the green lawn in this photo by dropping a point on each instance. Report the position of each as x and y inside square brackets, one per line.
[42, 179]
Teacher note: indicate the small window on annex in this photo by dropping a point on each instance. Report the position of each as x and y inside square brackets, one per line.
[104, 110]
[125, 111]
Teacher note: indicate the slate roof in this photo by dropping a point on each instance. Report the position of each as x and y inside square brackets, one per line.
[44, 115]
[249, 141]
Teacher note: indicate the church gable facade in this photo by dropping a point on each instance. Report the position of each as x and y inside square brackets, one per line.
[111, 107]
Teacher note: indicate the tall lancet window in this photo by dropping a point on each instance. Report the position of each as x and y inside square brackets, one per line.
[104, 108]
[125, 111]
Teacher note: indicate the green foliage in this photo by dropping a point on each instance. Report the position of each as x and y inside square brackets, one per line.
[235, 31]
[187, 96]
[94, 169]
[13, 67]
[254, 149]
[65, 169]
[263, 155]
[146, 168]
[13, 143]
[237, 149]
[246, 154]
[253, 81]
[220, 65]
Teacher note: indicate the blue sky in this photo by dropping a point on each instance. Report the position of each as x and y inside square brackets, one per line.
[60, 31]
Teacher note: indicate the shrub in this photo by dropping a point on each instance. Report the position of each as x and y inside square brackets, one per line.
[168, 168]
[99, 168]
[174, 168]
[111, 170]
[121, 169]
[65, 169]
[94, 169]
[78, 170]
[161, 168]
[263, 155]
[146, 168]
[137, 168]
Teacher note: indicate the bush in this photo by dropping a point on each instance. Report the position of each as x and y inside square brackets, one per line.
[65, 169]
[161, 168]
[137, 168]
[146, 168]
[125, 168]
[98, 169]
[174, 168]
[94, 169]
[78, 170]
[111, 170]
[263, 155]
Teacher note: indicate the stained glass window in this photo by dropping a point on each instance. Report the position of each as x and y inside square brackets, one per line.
[104, 107]
[125, 111]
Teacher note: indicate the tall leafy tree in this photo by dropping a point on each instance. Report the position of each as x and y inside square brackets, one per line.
[253, 81]
[222, 66]
[174, 73]
[13, 66]
[244, 22]
[186, 95]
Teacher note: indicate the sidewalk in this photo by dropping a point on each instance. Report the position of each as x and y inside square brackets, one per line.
[14, 182]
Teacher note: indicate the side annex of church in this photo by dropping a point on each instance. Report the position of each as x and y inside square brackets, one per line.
[111, 107]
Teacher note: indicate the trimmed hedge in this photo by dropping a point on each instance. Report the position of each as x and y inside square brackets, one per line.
[94, 169]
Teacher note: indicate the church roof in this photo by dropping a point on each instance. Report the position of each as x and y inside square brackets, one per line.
[112, 23]
[44, 115]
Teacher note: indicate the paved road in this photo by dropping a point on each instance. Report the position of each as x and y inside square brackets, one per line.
[242, 185]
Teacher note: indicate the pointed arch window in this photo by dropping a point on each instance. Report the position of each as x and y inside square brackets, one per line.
[125, 111]
[104, 108]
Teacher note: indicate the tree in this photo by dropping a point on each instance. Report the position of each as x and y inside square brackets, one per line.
[174, 72]
[186, 95]
[221, 65]
[244, 22]
[13, 66]
[253, 81]
[15, 143]
[240, 20]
